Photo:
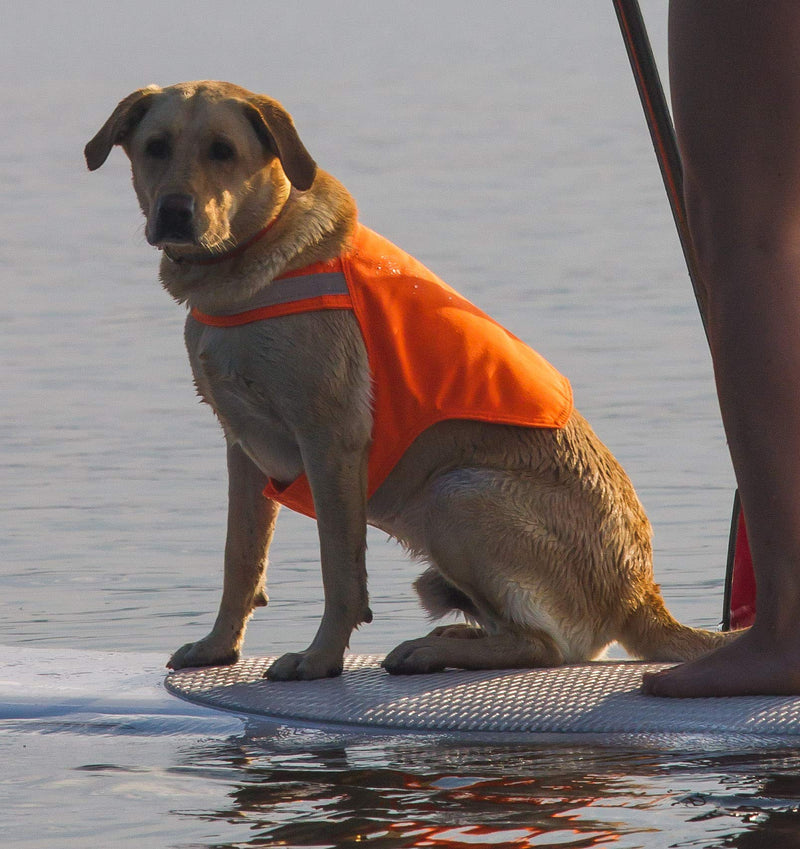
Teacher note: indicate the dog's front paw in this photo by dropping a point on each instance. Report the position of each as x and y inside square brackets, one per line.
[304, 666]
[415, 657]
[202, 653]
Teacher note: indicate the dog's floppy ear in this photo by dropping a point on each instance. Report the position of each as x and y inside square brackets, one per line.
[123, 120]
[274, 126]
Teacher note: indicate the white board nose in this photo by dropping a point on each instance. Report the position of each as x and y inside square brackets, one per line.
[90, 688]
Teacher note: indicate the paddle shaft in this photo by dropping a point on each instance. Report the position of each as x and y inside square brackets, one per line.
[662, 133]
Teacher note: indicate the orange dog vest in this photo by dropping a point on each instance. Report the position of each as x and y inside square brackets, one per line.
[432, 354]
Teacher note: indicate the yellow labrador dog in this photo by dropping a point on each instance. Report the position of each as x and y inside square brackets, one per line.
[534, 533]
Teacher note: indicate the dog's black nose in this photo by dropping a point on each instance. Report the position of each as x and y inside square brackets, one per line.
[175, 219]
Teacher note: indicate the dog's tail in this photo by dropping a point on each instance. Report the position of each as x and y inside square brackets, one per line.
[439, 597]
[652, 633]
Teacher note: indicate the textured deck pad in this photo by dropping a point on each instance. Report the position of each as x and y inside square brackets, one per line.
[587, 699]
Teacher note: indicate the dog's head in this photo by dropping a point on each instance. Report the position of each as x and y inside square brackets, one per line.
[203, 153]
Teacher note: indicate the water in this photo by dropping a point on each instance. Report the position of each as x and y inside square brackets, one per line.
[504, 147]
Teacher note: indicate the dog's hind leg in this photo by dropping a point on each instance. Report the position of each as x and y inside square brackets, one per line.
[484, 567]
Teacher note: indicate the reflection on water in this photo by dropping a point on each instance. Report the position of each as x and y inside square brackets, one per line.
[156, 783]
[399, 794]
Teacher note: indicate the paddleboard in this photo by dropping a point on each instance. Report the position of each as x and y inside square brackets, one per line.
[597, 701]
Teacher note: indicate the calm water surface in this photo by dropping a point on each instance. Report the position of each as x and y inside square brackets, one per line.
[505, 148]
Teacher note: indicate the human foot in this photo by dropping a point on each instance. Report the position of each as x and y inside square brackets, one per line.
[747, 666]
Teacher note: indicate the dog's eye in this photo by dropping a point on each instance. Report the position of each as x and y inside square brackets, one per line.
[221, 151]
[157, 148]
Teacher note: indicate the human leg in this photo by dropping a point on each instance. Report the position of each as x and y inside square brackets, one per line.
[734, 70]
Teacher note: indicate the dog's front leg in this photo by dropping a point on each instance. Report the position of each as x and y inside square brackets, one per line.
[251, 523]
[338, 480]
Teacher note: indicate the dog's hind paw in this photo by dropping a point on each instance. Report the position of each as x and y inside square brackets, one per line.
[304, 666]
[414, 657]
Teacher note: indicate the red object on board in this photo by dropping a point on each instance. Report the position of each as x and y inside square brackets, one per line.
[743, 581]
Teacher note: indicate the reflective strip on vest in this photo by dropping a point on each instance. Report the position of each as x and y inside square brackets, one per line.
[286, 296]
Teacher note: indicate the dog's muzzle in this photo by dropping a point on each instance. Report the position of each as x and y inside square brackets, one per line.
[174, 220]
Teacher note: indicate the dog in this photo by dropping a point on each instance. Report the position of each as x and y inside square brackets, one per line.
[528, 525]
